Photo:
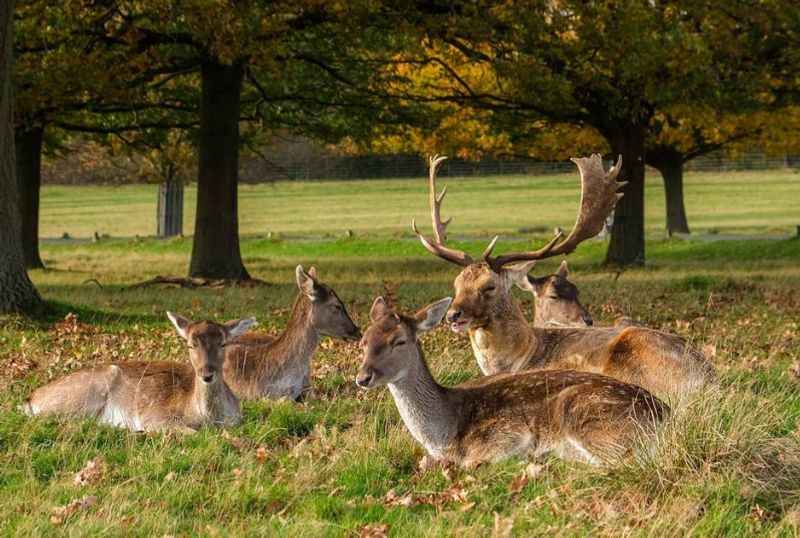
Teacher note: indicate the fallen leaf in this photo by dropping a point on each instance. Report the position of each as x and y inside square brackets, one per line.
[533, 470]
[502, 526]
[60, 514]
[374, 530]
[261, 454]
[393, 499]
[169, 477]
[710, 351]
[518, 483]
[92, 472]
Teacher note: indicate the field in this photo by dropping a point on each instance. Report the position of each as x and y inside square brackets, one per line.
[342, 463]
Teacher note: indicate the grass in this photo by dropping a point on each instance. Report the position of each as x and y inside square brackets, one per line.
[732, 202]
[728, 464]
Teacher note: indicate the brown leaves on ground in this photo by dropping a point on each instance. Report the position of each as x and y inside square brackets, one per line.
[531, 471]
[92, 473]
[454, 494]
[374, 530]
[502, 526]
[60, 514]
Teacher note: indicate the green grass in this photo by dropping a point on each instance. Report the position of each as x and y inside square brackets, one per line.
[733, 202]
[729, 464]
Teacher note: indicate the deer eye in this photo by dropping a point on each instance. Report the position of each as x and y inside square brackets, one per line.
[488, 289]
[398, 342]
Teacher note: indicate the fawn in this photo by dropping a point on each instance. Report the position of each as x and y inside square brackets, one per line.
[152, 395]
[261, 366]
[503, 341]
[576, 415]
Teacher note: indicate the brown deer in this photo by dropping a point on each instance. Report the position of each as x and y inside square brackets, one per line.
[152, 395]
[556, 302]
[503, 341]
[262, 366]
[578, 416]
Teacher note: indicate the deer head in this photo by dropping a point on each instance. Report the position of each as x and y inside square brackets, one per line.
[328, 314]
[206, 341]
[390, 344]
[556, 300]
[483, 287]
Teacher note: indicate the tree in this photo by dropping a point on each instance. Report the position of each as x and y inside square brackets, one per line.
[17, 293]
[612, 66]
[288, 65]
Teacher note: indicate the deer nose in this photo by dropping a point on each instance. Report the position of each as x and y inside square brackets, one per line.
[587, 319]
[207, 376]
[363, 379]
[453, 315]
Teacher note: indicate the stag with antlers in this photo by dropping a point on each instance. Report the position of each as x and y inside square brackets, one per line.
[502, 339]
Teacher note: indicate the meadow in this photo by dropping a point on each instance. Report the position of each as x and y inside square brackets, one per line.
[341, 463]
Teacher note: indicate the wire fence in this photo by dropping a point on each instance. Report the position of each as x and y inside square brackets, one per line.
[331, 167]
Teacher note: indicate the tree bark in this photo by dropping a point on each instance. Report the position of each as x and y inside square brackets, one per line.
[673, 190]
[626, 247]
[215, 250]
[28, 142]
[170, 208]
[17, 293]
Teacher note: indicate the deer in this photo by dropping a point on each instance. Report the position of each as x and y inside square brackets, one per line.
[578, 416]
[262, 366]
[556, 301]
[153, 395]
[557, 304]
[503, 341]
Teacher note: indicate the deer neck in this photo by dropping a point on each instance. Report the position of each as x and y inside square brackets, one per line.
[297, 343]
[208, 400]
[506, 341]
[425, 407]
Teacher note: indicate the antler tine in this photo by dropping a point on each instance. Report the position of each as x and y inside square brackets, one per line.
[438, 247]
[598, 198]
[439, 226]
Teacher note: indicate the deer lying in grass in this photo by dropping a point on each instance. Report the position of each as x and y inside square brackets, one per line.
[576, 415]
[261, 366]
[157, 395]
[556, 302]
[503, 341]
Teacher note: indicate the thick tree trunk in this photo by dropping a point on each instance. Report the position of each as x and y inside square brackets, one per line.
[215, 251]
[28, 143]
[627, 234]
[673, 190]
[17, 293]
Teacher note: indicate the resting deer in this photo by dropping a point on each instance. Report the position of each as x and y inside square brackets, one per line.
[576, 415]
[503, 341]
[152, 395]
[261, 366]
[556, 302]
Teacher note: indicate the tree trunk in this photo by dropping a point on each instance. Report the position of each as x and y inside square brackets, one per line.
[170, 208]
[17, 293]
[627, 234]
[28, 143]
[672, 173]
[215, 251]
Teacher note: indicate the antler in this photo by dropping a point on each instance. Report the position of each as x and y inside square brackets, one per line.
[438, 247]
[598, 198]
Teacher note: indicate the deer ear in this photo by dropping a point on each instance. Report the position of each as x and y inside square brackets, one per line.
[238, 327]
[430, 316]
[181, 323]
[563, 270]
[379, 309]
[312, 272]
[305, 282]
[519, 275]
